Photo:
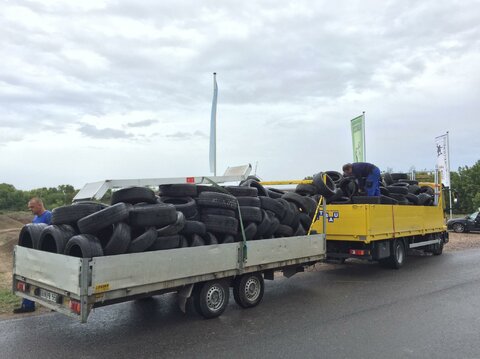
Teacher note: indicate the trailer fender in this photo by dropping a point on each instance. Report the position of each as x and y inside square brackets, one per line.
[183, 295]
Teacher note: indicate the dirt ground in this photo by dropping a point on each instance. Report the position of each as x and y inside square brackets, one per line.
[11, 224]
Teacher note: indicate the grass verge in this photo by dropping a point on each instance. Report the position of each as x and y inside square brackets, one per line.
[8, 301]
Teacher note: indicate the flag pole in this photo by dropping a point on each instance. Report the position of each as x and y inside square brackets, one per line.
[364, 142]
[213, 128]
[450, 178]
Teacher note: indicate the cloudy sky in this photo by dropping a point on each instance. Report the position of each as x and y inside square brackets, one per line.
[98, 89]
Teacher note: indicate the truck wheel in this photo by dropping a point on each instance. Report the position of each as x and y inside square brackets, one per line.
[248, 290]
[458, 228]
[211, 298]
[398, 255]
[438, 248]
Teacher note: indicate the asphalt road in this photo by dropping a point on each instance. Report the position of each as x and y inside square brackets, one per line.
[428, 309]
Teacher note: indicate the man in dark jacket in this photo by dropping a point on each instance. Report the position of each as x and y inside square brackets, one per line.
[367, 174]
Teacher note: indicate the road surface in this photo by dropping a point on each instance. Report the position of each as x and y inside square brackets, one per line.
[428, 309]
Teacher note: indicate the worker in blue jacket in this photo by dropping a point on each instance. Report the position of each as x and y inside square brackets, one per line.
[367, 175]
[41, 215]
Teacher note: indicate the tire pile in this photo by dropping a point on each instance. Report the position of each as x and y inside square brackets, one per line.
[181, 215]
[395, 188]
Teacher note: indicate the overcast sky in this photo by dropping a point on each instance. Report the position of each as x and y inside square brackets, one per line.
[98, 89]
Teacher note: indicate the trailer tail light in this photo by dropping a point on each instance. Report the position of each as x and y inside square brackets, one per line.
[22, 286]
[190, 179]
[75, 306]
[359, 252]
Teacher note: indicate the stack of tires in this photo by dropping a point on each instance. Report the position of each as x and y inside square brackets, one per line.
[395, 188]
[182, 215]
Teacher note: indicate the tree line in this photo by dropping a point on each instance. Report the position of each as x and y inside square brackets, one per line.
[465, 183]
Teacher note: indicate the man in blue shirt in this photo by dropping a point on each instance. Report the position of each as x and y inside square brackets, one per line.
[367, 174]
[41, 216]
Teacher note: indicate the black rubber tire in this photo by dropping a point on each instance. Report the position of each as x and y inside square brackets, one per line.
[143, 241]
[202, 297]
[335, 176]
[250, 232]
[298, 200]
[133, 195]
[275, 193]
[178, 190]
[348, 186]
[414, 189]
[399, 176]
[305, 220]
[400, 184]
[424, 199]
[261, 191]
[195, 240]
[273, 205]
[338, 194]
[206, 188]
[296, 212]
[299, 231]
[186, 205]
[397, 190]
[71, 214]
[217, 200]
[210, 239]
[275, 223]
[183, 242]
[306, 189]
[458, 228]
[84, 246]
[168, 242]
[387, 177]
[173, 228]
[387, 200]
[54, 238]
[30, 235]
[194, 227]
[251, 214]
[220, 224]
[94, 222]
[427, 189]
[283, 231]
[289, 214]
[397, 258]
[153, 215]
[120, 240]
[242, 191]
[412, 198]
[220, 211]
[248, 289]
[249, 201]
[312, 204]
[384, 191]
[228, 239]
[342, 200]
[264, 225]
[438, 248]
[410, 182]
[366, 199]
[325, 188]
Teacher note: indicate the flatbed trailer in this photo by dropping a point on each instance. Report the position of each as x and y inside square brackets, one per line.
[74, 286]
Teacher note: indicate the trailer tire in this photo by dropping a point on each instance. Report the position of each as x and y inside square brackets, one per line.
[104, 218]
[143, 241]
[84, 246]
[211, 298]
[217, 200]
[153, 215]
[54, 238]
[71, 214]
[220, 224]
[248, 289]
[30, 235]
[133, 195]
[178, 190]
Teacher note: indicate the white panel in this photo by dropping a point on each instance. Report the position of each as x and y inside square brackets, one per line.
[130, 270]
[55, 270]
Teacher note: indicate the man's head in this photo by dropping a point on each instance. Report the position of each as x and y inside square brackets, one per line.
[36, 206]
[347, 169]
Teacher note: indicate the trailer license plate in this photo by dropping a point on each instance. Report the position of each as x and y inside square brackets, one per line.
[51, 297]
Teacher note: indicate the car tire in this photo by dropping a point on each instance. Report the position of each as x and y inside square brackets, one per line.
[54, 238]
[218, 200]
[178, 190]
[220, 224]
[120, 240]
[186, 205]
[72, 213]
[143, 241]
[133, 195]
[325, 188]
[84, 246]
[251, 214]
[30, 235]
[458, 228]
[173, 228]
[153, 215]
[104, 218]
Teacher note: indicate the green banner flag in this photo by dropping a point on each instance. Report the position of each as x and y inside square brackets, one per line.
[358, 138]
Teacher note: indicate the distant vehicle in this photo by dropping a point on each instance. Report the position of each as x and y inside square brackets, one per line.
[467, 224]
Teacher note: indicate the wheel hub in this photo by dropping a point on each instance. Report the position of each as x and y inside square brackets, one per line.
[215, 298]
[252, 289]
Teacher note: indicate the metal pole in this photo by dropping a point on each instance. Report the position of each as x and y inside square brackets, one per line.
[449, 177]
[364, 140]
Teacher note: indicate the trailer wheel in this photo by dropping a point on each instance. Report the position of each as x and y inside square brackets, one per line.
[211, 298]
[398, 255]
[248, 290]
